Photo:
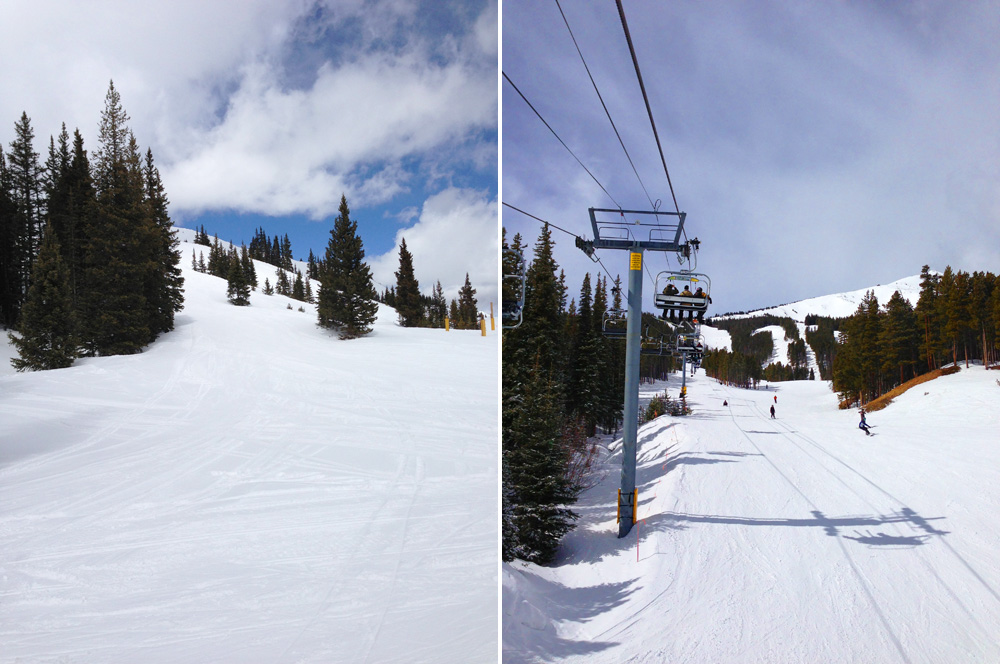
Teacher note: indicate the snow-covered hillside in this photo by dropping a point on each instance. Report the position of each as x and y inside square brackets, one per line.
[840, 304]
[796, 539]
[253, 489]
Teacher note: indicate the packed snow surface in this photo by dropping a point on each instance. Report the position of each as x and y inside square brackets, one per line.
[253, 489]
[787, 540]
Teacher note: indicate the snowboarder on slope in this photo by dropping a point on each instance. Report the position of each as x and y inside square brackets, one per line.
[864, 426]
[772, 411]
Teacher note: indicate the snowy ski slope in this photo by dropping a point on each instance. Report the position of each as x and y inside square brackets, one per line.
[252, 489]
[840, 305]
[783, 541]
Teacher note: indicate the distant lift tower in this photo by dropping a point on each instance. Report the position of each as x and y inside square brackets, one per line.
[635, 231]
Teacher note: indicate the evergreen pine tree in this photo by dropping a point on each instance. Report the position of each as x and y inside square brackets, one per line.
[268, 290]
[407, 304]
[10, 253]
[347, 297]
[468, 309]
[535, 465]
[281, 285]
[81, 199]
[453, 314]
[47, 326]
[299, 288]
[237, 286]
[286, 253]
[585, 394]
[164, 283]
[899, 337]
[249, 271]
[120, 247]
[438, 308]
[927, 317]
[312, 267]
[24, 173]
[541, 333]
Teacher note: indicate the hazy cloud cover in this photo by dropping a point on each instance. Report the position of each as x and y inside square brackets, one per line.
[815, 147]
[268, 108]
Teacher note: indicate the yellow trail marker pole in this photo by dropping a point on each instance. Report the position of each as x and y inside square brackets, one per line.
[447, 324]
[482, 325]
[493, 325]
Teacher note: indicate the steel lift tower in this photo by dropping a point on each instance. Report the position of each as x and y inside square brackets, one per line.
[635, 231]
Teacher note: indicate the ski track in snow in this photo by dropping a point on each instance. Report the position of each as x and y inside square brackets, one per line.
[795, 539]
[252, 489]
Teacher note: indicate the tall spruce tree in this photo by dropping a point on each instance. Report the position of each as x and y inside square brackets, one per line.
[120, 246]
[927, 317]
[347, 296]
[25, 179]
[468, 309]
[10, 253]
[164, 285]
[537, 457]
[438, 309]
[899, 340]
[75, 212]
[47, 325]
[408, 304]
[237, 284]
[585, 395]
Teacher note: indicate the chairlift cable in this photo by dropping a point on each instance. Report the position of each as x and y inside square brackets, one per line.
[507, 78]
[645, 97]
[603, 105]
[549, 223]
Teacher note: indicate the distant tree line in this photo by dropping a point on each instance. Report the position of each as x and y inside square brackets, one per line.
[413, 307]
[821, 337]
[957, 318]
[89, 263]
[744, 365]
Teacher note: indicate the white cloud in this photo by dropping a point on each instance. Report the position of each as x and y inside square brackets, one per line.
[207, 87]
[282, 151]
[456, 234]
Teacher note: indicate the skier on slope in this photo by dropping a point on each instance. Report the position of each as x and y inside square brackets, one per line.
[772, 411]
[864, 426]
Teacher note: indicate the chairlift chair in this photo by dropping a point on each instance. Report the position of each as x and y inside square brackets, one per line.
[652, 345]
[670, 294]
[512, 312]
[692, 345]
[615, 323]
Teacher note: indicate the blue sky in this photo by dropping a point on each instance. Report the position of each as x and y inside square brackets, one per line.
[816, 147]
[267, 115]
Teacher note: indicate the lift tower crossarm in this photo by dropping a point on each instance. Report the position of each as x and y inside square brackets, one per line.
[612, 230]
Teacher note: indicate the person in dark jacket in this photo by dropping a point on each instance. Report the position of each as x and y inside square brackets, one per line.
[772, 411]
